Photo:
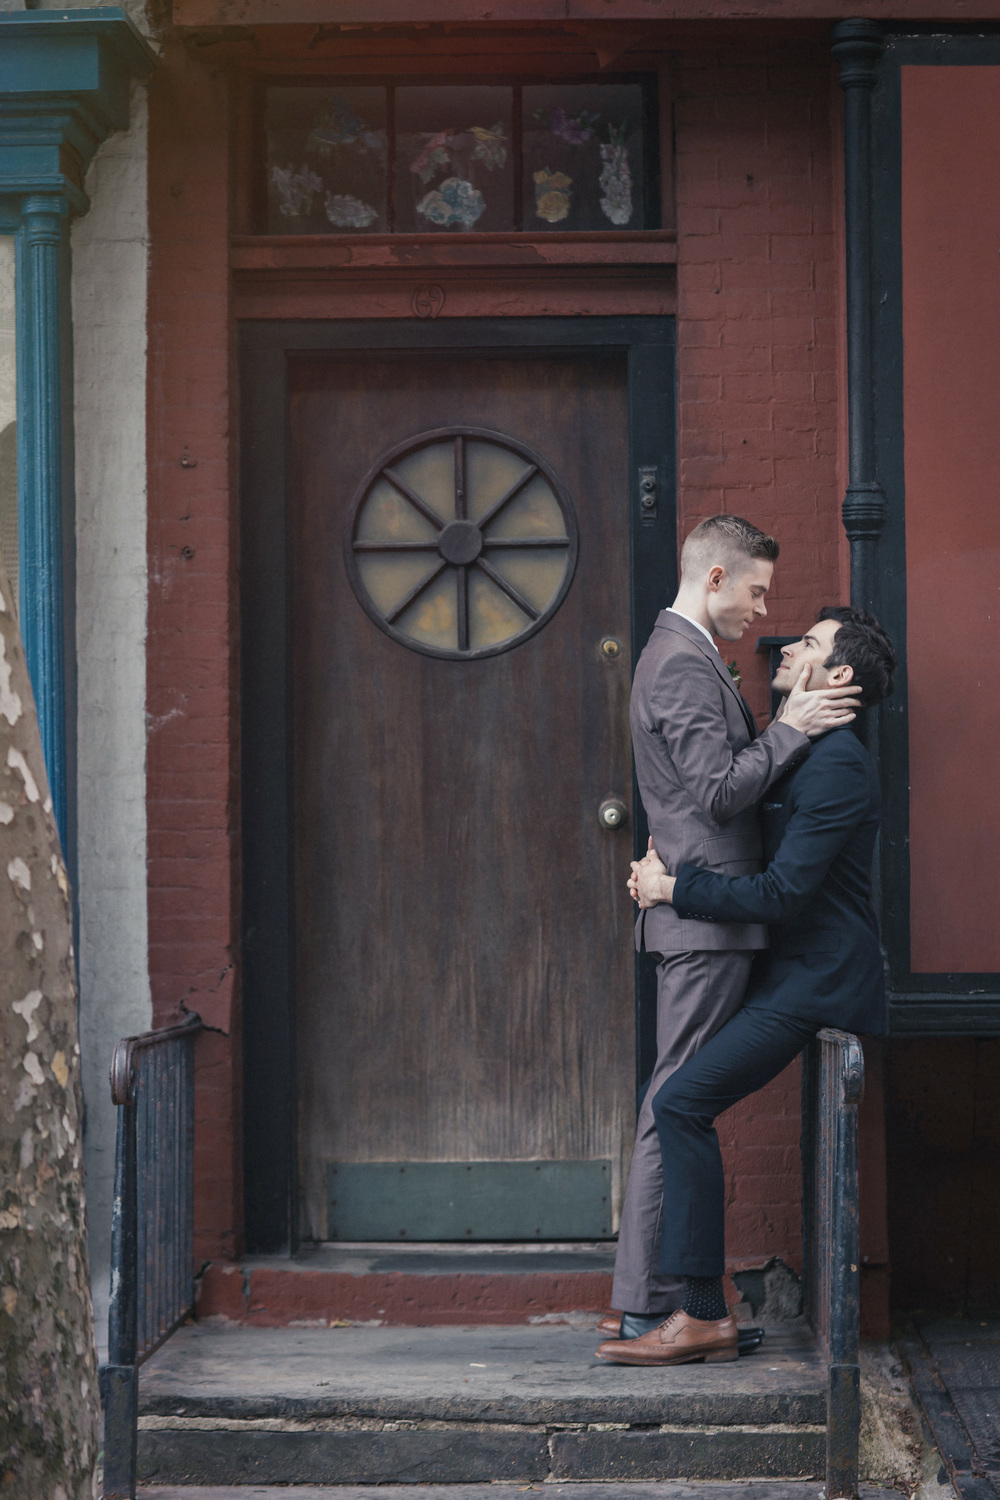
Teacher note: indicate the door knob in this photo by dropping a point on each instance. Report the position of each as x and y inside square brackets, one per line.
[612, 813]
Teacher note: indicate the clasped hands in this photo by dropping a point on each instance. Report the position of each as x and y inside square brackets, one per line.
[649, 884]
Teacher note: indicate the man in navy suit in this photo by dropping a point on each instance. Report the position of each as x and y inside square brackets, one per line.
[823, 968]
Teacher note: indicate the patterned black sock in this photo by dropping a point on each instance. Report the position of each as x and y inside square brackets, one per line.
[704, 1298]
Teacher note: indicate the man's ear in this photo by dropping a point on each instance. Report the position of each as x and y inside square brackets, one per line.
[715, 577]
[840, 676]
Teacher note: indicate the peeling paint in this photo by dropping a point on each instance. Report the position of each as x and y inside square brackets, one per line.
[61, 1074]
[6, 813]
[33, 1068]
[26, 1010]
[18, 872]
[17, 762]
[59, 871]
[10, 702]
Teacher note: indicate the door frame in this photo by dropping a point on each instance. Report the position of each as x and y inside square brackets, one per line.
[265, 348]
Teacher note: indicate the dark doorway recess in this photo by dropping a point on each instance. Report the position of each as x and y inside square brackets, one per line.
[463, 519]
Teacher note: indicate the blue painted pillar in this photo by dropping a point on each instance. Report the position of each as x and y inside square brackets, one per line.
[40, 477]
[64, 88]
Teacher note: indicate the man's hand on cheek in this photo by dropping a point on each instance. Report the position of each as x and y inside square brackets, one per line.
[816, 712]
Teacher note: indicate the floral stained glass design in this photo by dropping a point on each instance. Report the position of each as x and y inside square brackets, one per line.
[454, 163]
[456, 158]
[585, 141]
[462, 544]
[327, 160]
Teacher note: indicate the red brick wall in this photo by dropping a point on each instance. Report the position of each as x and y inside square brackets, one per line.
[191, 754]
[758, 405]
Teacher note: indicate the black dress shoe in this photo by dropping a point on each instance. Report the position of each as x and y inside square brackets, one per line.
[748, 1339]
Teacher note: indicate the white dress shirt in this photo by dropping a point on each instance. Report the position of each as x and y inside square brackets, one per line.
[707, 634]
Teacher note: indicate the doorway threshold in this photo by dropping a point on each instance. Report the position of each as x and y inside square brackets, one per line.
[502, 1258]
[413, 1285]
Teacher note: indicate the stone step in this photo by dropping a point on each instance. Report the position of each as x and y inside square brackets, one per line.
[420, 1285]
[353, 1406]
[795, 1489]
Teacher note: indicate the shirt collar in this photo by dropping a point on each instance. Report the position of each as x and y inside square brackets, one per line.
[707, 634]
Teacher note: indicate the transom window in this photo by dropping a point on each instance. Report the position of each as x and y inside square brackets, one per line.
[437, 158]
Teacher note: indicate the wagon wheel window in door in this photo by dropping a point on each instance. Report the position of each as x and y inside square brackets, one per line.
[462, 543]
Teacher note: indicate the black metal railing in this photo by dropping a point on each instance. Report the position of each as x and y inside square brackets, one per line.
[152, 1231]
[833, 1077]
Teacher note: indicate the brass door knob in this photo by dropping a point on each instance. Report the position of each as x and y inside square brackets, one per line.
[612, 813]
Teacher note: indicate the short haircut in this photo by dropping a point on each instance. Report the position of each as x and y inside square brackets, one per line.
[728, 541]
[862, 644]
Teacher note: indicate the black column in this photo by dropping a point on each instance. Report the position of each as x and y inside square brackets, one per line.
[857, 46]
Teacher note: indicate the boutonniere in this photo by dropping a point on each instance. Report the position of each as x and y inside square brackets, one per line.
[735, 673]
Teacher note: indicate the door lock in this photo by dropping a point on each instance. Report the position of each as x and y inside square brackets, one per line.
[648, 488]
[612, 813]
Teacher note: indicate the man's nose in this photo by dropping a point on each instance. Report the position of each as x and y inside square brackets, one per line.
[760, 608]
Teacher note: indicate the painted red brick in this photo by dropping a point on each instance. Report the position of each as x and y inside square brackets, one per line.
[190, 692]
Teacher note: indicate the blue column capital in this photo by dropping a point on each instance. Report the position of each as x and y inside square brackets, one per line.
[64, 83]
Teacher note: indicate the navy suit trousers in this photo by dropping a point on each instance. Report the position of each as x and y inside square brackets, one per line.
[747, 1052]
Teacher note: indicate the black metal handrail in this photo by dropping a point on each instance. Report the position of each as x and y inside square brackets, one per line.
[833, 1078]
[152, 1230]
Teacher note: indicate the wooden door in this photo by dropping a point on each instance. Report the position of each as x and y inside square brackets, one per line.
[462, 940]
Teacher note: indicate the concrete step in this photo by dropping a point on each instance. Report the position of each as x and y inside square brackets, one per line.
[353, 1406]
[796, 1489]
[420, 1285]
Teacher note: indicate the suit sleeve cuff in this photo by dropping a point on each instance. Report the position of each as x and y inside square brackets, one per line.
[680, 899]
[791, 741]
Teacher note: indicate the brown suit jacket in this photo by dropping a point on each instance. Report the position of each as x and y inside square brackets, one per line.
[702, 770]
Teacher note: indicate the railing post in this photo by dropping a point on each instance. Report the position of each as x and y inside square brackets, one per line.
[120, 1377]
[152, 1229]
[832, 1085]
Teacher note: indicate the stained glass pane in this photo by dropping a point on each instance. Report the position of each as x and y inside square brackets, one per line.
[388, 517]
[493, 618]
[490, 471]
[454, 159]
[534, 511]
[536, 575]
[326, 160]
[430, 473]
[583, 156]
[433, 618]
[389, 576]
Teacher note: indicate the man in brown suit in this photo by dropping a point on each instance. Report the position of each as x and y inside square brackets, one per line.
[702, 769]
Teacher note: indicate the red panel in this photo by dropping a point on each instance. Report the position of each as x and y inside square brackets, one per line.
[951, 314]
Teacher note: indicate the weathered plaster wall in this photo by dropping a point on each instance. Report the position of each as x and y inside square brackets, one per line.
[110, 250]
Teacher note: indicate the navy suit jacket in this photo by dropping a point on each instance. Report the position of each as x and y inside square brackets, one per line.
[819, 823]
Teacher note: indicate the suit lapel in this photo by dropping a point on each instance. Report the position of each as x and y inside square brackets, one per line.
[669, 620]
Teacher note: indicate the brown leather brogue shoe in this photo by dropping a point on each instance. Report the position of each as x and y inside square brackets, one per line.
[611, 1324]
[681, 1340]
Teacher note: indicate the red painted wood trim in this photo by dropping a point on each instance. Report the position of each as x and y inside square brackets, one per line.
[653, 247]
[395, 12]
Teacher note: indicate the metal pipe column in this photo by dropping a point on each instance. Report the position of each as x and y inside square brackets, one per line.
[857, 46]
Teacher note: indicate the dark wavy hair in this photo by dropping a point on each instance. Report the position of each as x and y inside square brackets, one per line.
[862, 644]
